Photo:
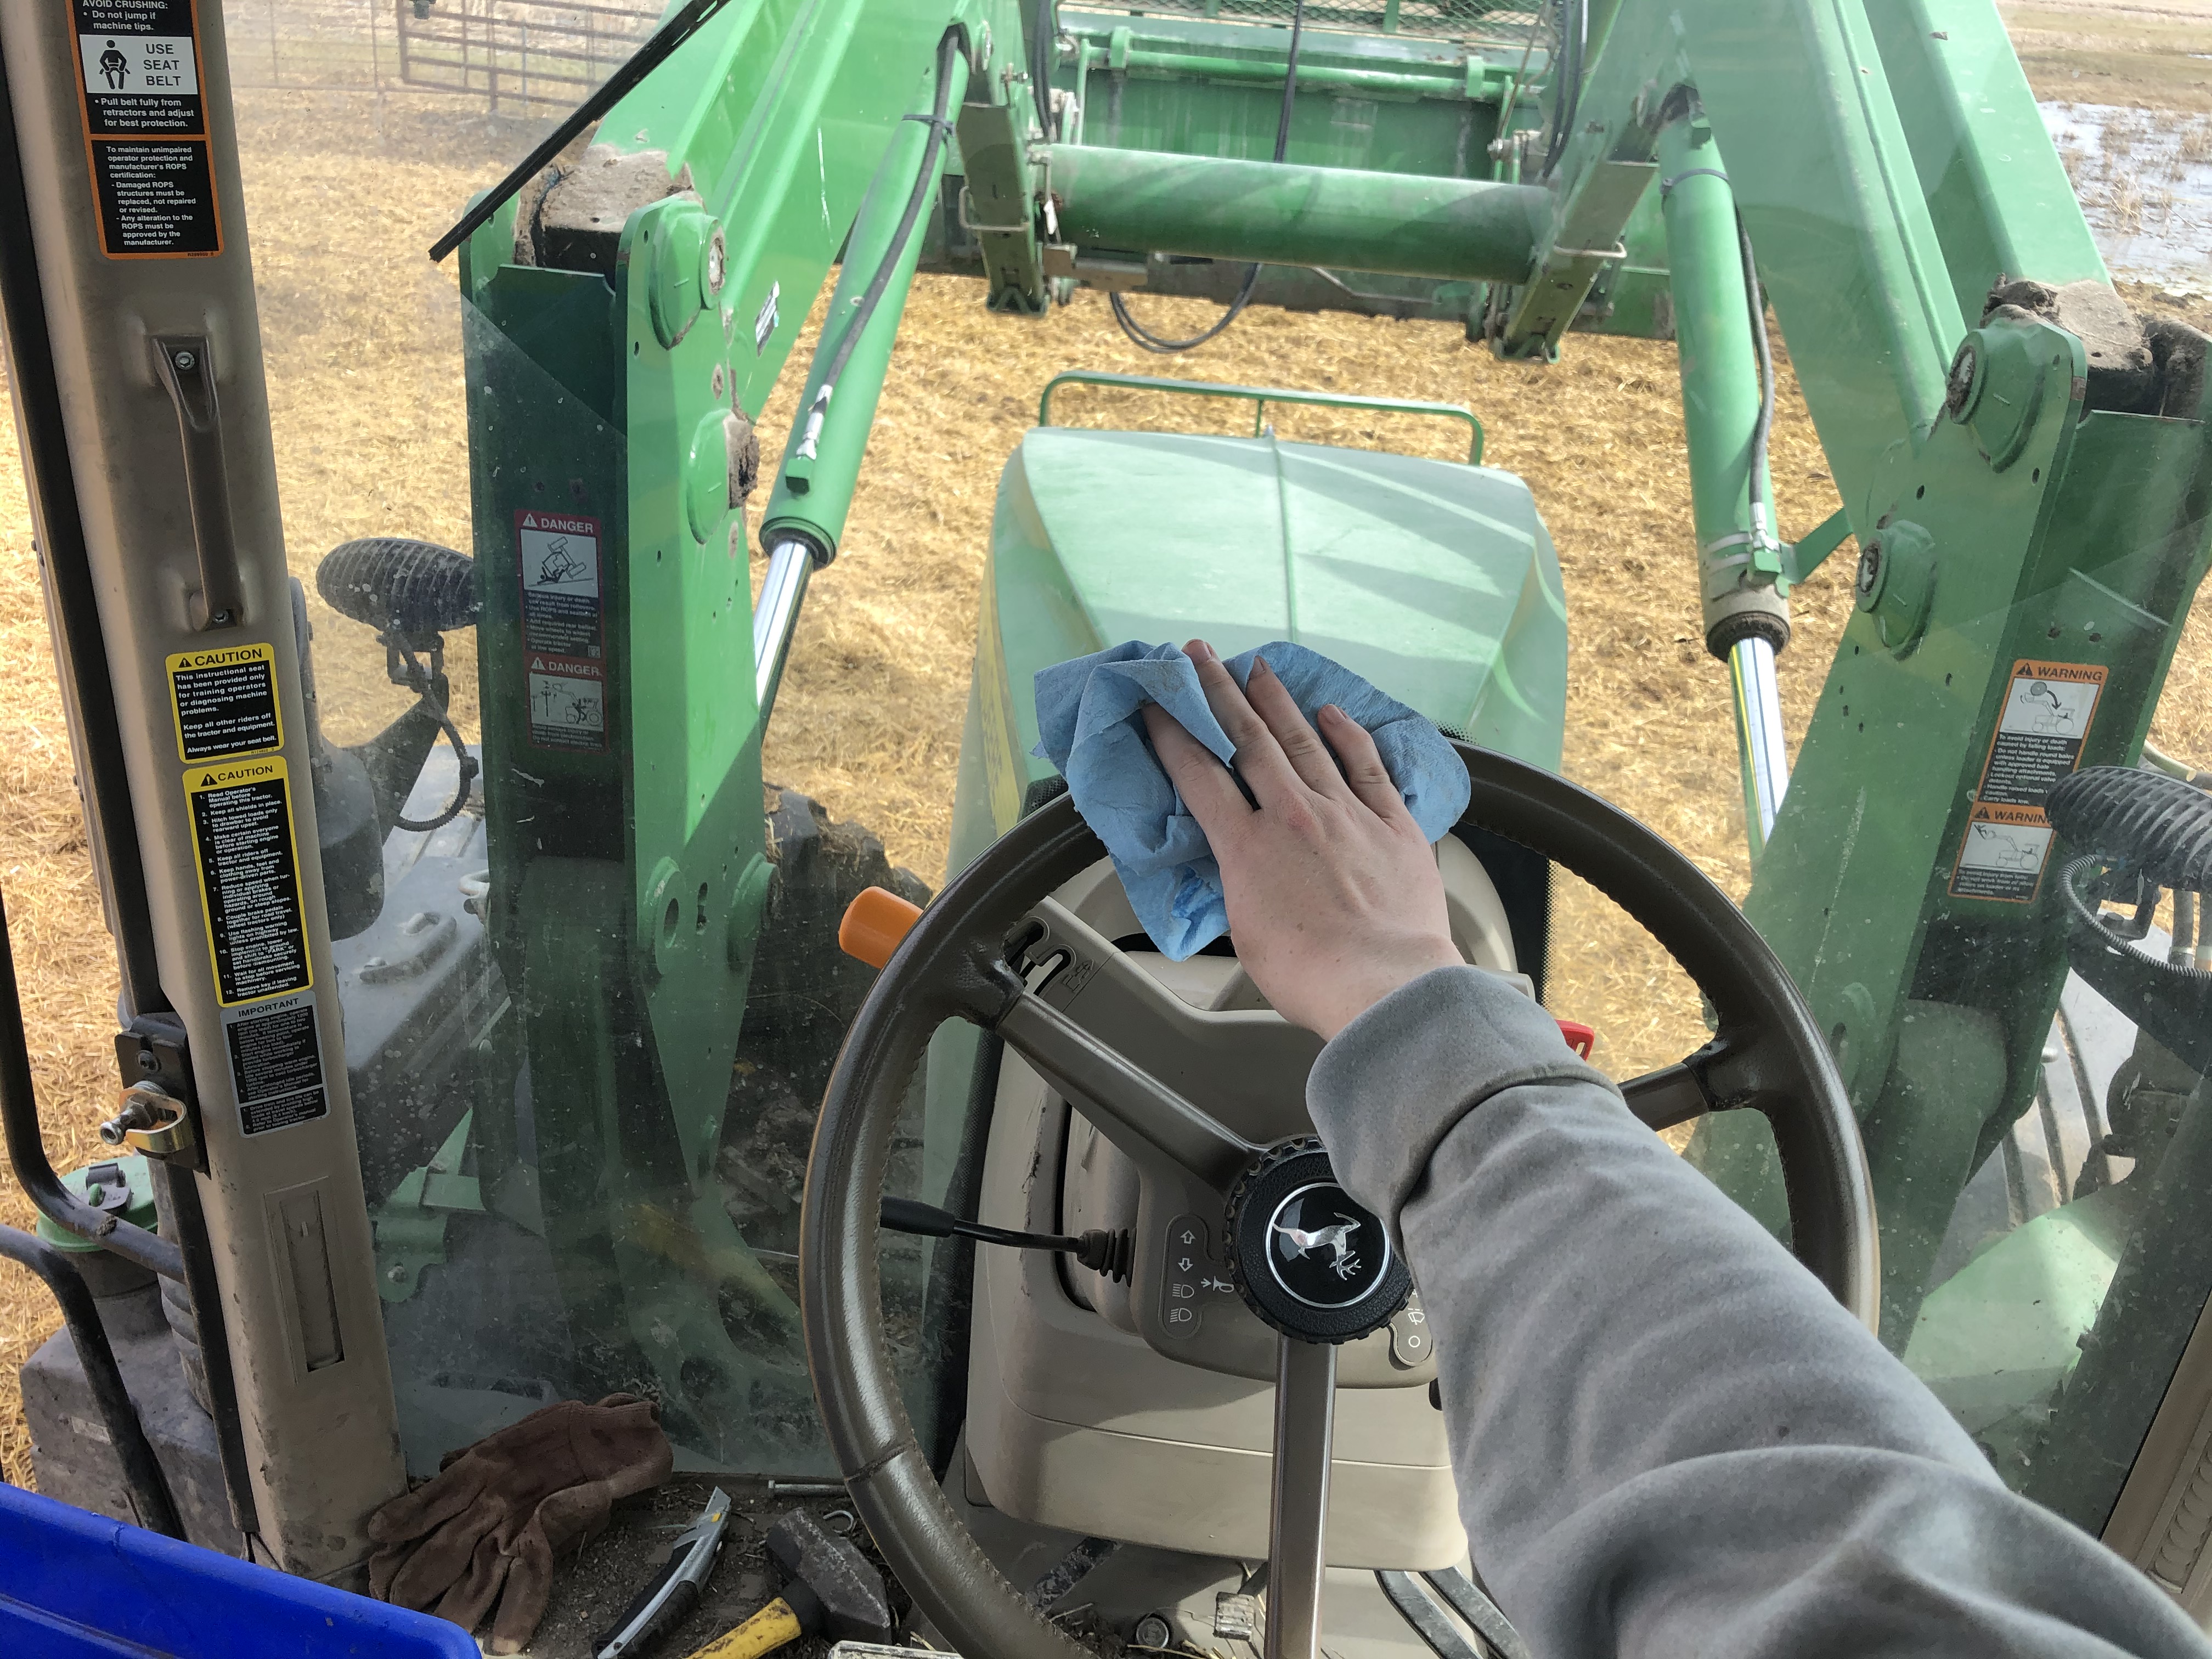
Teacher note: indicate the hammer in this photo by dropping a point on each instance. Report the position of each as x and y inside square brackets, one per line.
[829, 1589]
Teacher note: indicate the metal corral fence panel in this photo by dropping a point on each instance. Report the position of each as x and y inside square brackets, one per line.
[533, 57]
[523, 52]
[310, 44]
[1508, 23]
[510, 57]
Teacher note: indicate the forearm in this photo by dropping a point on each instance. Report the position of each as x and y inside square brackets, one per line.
[1667, 1436]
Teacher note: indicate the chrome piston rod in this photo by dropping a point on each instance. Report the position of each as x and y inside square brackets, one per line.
[775, 616]
[1764, 757]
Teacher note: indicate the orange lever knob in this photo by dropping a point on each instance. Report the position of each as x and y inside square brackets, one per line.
[875, 922]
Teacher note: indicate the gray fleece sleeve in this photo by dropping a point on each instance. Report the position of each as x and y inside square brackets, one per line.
[1667, 1439]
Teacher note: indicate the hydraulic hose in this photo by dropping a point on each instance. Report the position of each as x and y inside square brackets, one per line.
[150, 1499]
[1762, 516]
[27, 1150]
[807, 510]
[2158, 761]
[954, 40]
[1044, 39]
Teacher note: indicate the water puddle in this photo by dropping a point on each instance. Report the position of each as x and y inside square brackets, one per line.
[2145, 180]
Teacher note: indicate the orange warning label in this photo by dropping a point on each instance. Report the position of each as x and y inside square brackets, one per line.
[146, 128]
[2045, 720]
[2003, 855]
[2041, 727]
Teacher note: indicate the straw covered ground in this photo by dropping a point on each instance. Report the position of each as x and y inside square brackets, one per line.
[363, 361]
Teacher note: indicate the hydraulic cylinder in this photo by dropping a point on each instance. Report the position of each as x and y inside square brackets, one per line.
[805, 514]
[1726, 411]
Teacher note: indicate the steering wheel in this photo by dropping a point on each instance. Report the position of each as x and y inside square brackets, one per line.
[1197, 1102]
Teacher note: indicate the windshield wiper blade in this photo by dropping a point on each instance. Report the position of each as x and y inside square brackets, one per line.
[680, 28]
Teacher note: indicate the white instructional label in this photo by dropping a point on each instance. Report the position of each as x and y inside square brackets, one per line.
[139, 65]
[770, 316]
[558, 558]
[2041, 727]
[276, 1064]
[2048, 706]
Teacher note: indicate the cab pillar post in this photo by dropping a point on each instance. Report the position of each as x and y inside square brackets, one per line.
[129, 174]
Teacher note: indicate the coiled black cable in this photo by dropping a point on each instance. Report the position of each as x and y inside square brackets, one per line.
[2138, 832]
[1136, 332]
[419, 679]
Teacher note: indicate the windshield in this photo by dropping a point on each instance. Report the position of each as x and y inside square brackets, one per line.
[586, 926]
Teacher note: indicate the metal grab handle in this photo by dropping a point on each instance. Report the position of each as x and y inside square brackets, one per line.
[141, 1471]
[27, 1147]
[1261, 396]
[188, 372]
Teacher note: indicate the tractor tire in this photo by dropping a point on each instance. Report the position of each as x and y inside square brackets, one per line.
[805, 992]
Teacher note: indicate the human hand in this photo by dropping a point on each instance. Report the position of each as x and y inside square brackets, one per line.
[1334, 897]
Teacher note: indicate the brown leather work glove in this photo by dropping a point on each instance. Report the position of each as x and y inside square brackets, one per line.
[499, 1511]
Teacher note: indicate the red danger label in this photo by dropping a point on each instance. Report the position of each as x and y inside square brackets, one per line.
[567, 703]
[563, 604]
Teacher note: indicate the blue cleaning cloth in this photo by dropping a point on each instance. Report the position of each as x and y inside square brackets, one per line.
[1089, 711]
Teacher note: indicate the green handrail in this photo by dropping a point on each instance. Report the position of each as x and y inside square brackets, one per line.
[1261, 396]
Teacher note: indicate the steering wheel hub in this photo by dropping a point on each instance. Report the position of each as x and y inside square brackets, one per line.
[1309, 1260]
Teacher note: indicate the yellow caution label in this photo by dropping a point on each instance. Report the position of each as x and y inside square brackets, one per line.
[225, 702]
[249, 875]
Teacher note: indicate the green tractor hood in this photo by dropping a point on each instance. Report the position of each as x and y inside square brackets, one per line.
[1435, 580]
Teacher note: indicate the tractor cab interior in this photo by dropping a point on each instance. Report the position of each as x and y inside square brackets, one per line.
[506, 1055]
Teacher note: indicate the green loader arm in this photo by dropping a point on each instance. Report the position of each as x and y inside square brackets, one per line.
[618, 350]
[2013, 504]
